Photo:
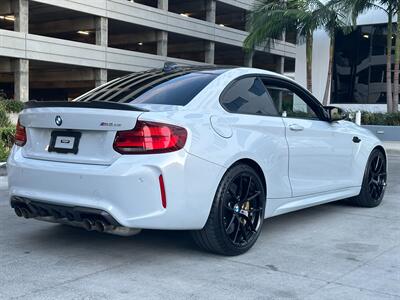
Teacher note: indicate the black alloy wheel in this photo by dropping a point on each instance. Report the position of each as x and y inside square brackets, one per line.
[236, 215]
[377, 177]
[374, 182]
[243, 209]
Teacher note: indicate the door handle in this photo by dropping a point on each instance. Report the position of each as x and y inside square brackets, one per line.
[296, 127]
[356, 139]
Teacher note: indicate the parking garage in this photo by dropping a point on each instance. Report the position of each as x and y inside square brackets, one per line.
[90, 44]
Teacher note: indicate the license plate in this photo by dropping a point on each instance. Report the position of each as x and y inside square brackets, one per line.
[64, 142]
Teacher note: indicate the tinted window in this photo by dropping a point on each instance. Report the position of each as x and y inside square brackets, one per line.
[248, 96]
[157, 87]
[359, 71]
[289, 104]
[177, 91]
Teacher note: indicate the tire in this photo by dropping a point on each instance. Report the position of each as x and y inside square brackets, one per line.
[374, 181]
[234, 224]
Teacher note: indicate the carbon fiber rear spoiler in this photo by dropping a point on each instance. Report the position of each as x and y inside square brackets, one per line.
[79, 104]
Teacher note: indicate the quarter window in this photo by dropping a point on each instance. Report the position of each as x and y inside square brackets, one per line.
[248, 96]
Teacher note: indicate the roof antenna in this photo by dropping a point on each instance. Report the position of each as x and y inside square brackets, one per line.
[170, 66]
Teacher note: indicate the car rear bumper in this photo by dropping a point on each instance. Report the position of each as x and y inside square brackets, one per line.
[29, 208]
[128, 190]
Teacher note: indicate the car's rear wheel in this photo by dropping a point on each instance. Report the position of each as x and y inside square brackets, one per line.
[237, 213]
[374, 182]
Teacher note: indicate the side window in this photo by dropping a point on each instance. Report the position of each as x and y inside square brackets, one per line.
[248, 96]
[289, 104]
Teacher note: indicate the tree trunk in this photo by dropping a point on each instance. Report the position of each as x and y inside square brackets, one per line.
[326, 99]
[309, 59]
[396, 66]
[389, 94]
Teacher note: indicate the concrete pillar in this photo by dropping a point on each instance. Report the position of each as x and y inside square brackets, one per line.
[101, 31]
[211, 8]
[280, 65]
[280, 68]
[21, 66]
[280, 62]
[162, 4]
[101, 40]
[21, 12]
[210, 17]
[162, 43]
[209, 52]
[100, 77]
[21, 80]
[248, 59]
[162, 36]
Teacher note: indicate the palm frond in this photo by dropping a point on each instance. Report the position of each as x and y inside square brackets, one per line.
[267, 22]
[270, 18]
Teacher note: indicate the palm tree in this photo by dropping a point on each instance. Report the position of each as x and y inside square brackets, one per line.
[269, 20]
[358, 7]
[397, 63]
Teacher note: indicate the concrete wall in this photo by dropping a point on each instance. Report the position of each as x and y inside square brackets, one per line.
[159, 19]
[34, 47]
[23, 47]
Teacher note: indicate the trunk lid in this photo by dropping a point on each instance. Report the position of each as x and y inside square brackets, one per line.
[75, 132]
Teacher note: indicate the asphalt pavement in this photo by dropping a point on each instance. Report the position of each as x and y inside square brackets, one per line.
[332, 251]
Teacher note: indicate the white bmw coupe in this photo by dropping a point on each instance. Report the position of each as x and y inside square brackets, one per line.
[207, 149]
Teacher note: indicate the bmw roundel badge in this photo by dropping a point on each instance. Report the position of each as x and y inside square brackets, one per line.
[58, 121]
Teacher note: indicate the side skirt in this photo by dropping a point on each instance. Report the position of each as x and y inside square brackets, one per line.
[277, 207]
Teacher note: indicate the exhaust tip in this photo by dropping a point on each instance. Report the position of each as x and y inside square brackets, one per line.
[99, 226]
[55, 214]
[18, 211]
[25, 213]
[70, 217]
[88, 224]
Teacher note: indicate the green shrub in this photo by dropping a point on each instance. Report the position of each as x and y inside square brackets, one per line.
[386, 119]
[7, 131]
[4, 119]
[7, 135]
[4, 152]
[6, 142]
[12, 106]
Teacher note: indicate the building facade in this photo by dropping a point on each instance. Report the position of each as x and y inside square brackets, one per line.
[58, 49]
[359, 71]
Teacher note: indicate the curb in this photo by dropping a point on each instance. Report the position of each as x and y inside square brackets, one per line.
[3, 183]
[391, 152]
[392, 148]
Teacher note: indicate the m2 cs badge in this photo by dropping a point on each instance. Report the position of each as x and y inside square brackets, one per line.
[110, 124]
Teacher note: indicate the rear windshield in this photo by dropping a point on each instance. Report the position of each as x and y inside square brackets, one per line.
[171, 88]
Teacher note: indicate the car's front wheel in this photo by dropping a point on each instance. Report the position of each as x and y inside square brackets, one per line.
[237, 213]
[374, 181]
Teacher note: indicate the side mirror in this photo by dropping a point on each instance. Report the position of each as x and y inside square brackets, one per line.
[336, 113]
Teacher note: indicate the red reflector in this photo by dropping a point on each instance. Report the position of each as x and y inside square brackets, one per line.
[150, 137]
[162, 189]
[20, 135]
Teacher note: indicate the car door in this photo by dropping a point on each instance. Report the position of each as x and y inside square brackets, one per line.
[320, 152]
[259, 131]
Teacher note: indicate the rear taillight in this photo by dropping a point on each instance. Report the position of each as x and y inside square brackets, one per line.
[149, 138]
[20, 135]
